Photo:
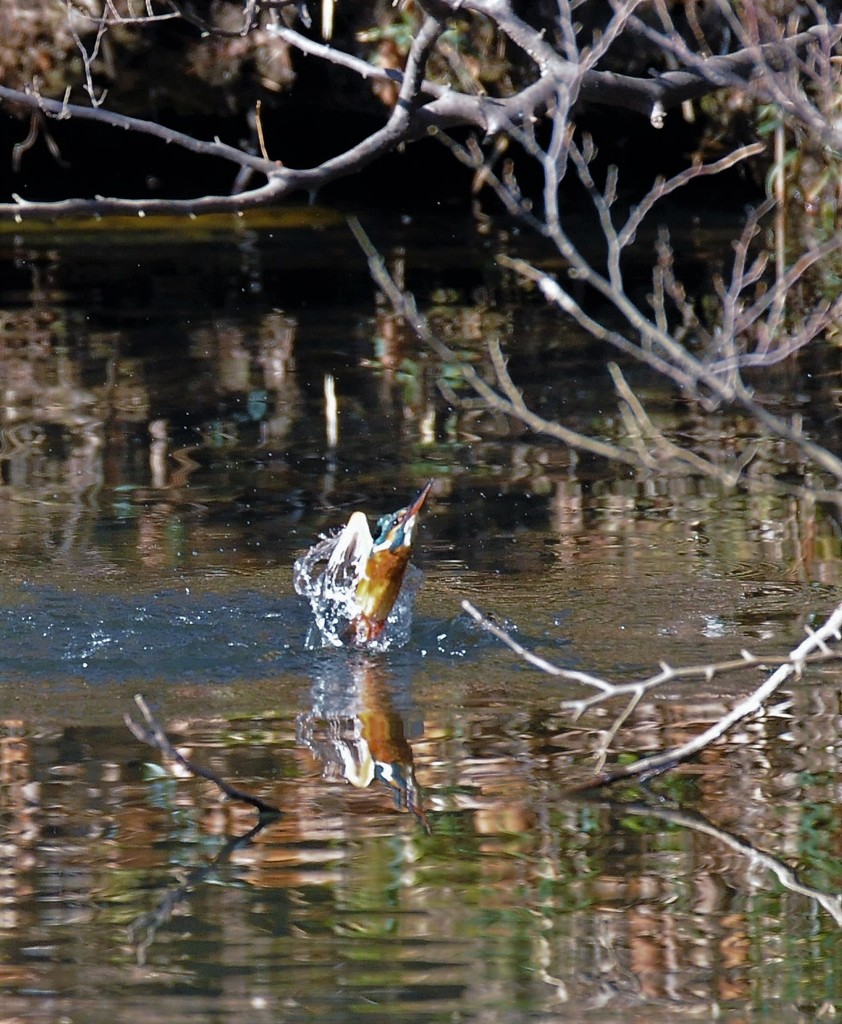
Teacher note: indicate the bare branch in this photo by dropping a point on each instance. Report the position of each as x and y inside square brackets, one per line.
[759, 66]
[662, 188]
[63, 110]
[570, 675]
[815, 648]
[405, 307]
[152, 733]
[111, 16]
[332, 55]
[88, 57]
[424, 106]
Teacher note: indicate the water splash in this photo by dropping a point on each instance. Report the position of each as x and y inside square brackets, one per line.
[332, 595]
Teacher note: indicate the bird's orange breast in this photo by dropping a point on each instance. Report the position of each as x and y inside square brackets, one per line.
[380, 585]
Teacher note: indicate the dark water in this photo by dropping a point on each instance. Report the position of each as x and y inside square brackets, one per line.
[165, 457]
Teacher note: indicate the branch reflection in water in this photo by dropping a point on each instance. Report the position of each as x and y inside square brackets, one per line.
[356, 727]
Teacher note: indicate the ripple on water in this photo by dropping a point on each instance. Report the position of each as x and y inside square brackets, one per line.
[53, 633]
[172, 634]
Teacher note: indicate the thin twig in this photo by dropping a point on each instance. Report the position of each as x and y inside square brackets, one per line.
[572, 676]
[405, 307]
[815, 648]
[152, 733]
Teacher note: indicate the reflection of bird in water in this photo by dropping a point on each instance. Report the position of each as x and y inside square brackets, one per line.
[363, 577]
[358, 731]
[391, 757]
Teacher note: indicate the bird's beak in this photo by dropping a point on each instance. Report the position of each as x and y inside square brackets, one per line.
[407, 519]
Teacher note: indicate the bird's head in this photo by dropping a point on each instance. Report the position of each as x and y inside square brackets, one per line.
[394, 531]
[385, 567]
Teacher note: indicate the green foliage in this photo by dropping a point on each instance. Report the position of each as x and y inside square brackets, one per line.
[808, 175]
[400, 31]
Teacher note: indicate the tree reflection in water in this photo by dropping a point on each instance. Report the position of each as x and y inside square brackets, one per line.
[164, 460]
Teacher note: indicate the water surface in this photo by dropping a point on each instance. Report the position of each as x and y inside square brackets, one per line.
[166, 456]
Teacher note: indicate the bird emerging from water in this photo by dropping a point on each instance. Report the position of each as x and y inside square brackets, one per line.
[356, 593]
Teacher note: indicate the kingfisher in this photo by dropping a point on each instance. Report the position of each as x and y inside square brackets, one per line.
[363, 577]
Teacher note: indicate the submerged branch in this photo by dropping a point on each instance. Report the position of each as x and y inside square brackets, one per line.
[152, 733]
[813, 650]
